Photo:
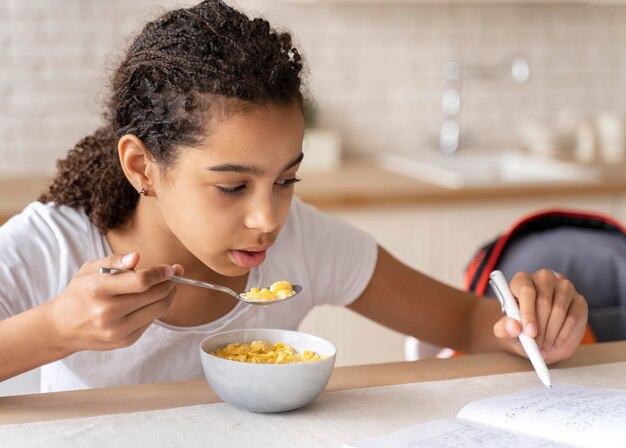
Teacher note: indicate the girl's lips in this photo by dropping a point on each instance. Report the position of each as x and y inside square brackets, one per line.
[248, 259]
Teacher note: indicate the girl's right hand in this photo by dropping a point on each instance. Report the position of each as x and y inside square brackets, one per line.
[105, 312]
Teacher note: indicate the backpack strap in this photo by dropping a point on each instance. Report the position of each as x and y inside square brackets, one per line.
[487, 257]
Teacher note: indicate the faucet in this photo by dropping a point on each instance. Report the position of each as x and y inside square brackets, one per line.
[453, 71]
[449, 136]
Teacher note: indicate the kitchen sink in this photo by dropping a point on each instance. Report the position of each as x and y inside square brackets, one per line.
[487, 169]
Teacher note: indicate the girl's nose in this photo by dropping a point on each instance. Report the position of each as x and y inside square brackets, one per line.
[262, 215]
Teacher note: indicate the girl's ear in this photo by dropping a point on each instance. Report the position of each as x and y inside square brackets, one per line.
[136, 163]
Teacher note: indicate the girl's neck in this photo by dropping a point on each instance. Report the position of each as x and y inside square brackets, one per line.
[147, 234]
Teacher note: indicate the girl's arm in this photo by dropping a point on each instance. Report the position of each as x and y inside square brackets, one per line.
[94, 312]
[29, 340]
[414, 304]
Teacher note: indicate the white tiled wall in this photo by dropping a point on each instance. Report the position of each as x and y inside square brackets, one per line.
[55, 60]
[377, 69]
[374, 68]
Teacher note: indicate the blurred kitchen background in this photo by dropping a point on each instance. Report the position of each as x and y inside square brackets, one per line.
[413, 86]
[375, 68]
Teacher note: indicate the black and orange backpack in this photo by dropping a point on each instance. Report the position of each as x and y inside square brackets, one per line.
[589, 249]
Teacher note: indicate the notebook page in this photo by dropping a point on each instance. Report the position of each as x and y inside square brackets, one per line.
[580, 416]
[454, 433]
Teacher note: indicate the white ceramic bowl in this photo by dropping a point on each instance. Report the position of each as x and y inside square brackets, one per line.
[267, 387]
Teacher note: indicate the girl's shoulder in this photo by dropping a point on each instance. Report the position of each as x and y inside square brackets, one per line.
[311, 222]
[58, 225]
[41, 248]
[53, 216]
[317, 230]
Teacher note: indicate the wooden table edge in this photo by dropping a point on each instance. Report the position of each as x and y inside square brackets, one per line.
[147, 397]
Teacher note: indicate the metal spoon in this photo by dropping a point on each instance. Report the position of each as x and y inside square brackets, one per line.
[188, 281]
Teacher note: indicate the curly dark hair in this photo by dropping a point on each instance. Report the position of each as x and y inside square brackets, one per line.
[182, 69]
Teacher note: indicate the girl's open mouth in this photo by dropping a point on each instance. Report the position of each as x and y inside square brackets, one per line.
[248, 259]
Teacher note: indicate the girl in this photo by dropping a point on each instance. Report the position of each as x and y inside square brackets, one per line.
[193, 173]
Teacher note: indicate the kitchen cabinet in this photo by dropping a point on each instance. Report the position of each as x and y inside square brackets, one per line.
[439, 240]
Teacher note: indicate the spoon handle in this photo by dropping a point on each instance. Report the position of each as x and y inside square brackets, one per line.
[224, 289]
[177, 279]
[188, 281]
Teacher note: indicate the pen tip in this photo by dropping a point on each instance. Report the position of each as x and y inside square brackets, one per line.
[550, 386]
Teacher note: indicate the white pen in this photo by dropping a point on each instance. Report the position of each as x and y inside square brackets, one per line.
[509, 306]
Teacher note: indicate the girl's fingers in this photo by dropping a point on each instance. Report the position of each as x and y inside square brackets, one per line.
[130, 327]
[106, 311]
[572, 331]
[524, 290]
[126, 282]
[134, 282]
[129, 303]
[509, 329]
[545, 284]
[560, 313]
[178, 270]
[148, 313]
[564, 294]
[124, 261]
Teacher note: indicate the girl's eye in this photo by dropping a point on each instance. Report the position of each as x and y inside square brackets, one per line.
[287, 182]
[232, 190]
[238, 189]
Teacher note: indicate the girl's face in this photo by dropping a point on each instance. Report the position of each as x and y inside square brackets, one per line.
[227, 200]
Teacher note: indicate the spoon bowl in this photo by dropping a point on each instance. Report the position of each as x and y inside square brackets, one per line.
[224, 289]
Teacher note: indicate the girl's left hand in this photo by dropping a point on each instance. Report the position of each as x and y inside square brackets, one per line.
[552, 312]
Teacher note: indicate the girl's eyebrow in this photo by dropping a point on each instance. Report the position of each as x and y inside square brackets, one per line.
[248, 169]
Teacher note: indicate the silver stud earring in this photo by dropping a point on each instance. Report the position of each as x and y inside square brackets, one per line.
[143, 191]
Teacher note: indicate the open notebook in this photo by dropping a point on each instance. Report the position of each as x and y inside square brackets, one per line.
[567, 415]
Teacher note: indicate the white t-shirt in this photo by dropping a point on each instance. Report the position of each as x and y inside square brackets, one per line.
[43, 247]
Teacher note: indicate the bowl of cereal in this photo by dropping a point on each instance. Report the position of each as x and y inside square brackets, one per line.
[267, 370]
